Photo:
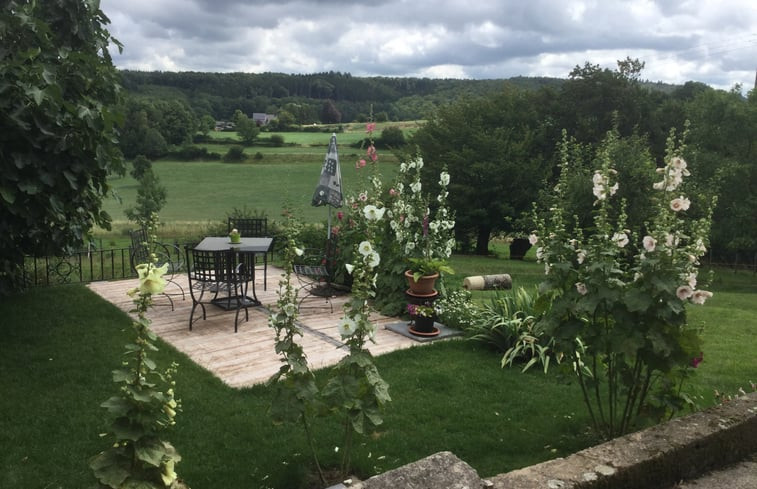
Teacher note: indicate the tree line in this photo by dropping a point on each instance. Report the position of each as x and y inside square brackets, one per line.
[501, 151]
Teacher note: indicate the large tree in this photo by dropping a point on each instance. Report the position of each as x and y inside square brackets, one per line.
[492, 149]
[58, 90]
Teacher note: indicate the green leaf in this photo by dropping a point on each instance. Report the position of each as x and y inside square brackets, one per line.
[151, 452]
[117, 405]
[37, 94]
[8, 194]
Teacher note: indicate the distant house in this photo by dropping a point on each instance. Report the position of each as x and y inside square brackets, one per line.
[224, 126]
[262, 119]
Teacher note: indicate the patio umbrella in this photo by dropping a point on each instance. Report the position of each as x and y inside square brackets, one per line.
[329, 190]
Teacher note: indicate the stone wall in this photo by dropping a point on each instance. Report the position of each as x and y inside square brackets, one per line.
[657, 457]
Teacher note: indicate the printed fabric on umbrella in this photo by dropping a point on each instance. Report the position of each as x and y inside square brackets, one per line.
[329, 190]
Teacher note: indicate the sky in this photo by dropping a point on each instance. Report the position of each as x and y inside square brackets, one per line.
[709, 41]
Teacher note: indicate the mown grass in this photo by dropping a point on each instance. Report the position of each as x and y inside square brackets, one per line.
[206, 191]
[59, 345]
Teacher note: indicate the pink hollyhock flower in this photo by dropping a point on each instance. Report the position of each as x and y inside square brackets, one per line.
[697, 360]
[581, 288]
[370, 127]
[371, 153]
[340, 215]
[392, 192]
[362, 163]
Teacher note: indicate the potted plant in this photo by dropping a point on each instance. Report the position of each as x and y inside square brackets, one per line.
[423, 317]
[424, 236]
[423, 272]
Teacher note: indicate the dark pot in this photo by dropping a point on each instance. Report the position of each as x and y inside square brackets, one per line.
[518, 248]
[424, 324]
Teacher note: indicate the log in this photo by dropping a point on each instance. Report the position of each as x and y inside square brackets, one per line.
[488, 282]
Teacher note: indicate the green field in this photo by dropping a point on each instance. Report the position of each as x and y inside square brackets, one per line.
[206, 191]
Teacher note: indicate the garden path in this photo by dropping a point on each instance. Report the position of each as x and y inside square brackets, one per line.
[247, 357]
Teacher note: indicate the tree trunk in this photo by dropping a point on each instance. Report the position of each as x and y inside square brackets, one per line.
[482, 241]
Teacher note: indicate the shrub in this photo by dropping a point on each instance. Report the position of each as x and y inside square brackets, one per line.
[235, 154]
[277, 140]
[457, 310]
[392, 137]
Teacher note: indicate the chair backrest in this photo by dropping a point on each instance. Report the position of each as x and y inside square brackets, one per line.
[250, 228]
[140, 249]
[218, 266]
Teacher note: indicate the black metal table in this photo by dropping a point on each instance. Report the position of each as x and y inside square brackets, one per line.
[249, 246]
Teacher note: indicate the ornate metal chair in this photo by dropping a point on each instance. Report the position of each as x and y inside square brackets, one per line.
[314, 272]
[171, 254]
[253, 228]
[212, 272]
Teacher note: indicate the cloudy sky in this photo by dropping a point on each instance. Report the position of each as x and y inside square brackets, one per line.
[710, 41]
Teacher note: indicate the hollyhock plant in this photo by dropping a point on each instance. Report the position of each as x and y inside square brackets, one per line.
[425, 238]
[618, 296]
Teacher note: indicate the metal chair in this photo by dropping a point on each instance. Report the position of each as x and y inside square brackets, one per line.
[211, 272]
[253, 228]
[171, 254]
[314, 273]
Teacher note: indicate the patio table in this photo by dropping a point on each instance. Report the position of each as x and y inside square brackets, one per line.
[249, 246]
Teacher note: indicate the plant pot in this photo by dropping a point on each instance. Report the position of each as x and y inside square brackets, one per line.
[424, 286]
[423, 324]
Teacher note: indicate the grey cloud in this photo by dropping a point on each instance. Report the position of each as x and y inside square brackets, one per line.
[495, 38]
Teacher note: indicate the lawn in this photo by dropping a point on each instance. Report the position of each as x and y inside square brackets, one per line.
[206, 191]
[59, 345]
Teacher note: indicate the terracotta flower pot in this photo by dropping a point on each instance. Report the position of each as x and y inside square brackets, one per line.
[424, 286]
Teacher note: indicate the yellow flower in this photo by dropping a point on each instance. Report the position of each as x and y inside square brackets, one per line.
[168, 475]
[151, 279]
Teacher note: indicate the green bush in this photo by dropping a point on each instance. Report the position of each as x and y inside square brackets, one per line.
[277, 140]
[457, 310]
[235, 154]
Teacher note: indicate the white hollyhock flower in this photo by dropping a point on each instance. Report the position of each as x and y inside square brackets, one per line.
[684, 292]
[347, 327]
[350, 267]
[649, 243]
[680, 204]
[373, 213]
[533, 239]
[373, 259]
[444, 178]
[581, 288]
[699, 296]
[620, 239]
[365, 248]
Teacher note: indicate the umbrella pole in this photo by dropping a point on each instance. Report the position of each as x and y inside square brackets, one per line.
[328, 228]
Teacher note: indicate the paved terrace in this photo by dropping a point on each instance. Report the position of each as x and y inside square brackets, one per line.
[247, 357]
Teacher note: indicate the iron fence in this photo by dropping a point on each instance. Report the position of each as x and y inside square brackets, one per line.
[82, 267]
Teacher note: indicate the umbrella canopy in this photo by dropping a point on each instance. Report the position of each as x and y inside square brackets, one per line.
[329, 190]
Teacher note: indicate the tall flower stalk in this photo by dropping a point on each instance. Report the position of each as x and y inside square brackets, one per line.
[423, 236]
[145, 405]
[356, 391]
[618, 296]
[295, 391]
